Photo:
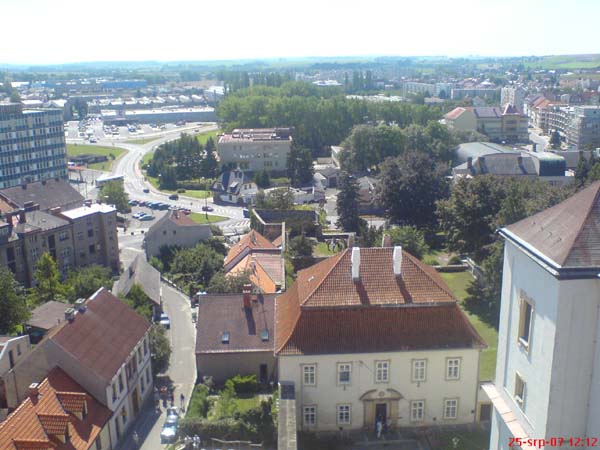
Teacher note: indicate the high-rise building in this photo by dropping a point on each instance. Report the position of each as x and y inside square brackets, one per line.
[512, 96]
[584, 127]
[32, 145]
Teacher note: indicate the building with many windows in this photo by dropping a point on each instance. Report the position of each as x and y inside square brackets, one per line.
[547, 381]
[32, 145]
[373, 334]
[505, 124]
[256, 149]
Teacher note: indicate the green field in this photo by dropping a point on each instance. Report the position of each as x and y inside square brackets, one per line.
[567, 62]
[203, 137]
[196, 194]
[142, 141]
[458, 282]
[322, 250]
[203, 218]
[76, 149]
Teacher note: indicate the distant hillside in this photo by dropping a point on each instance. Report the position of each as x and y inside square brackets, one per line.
[568, 62]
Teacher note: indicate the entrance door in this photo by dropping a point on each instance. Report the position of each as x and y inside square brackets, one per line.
[381, 413]
[263, 373]
[485, 412]
[136, 402]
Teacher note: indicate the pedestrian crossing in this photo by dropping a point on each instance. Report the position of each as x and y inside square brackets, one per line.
[236, 227]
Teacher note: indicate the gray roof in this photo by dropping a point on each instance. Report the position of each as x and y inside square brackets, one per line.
[48, 194]
[498, 164]
[48, 315]
[476, 149]
[487, 112]
[142, 273]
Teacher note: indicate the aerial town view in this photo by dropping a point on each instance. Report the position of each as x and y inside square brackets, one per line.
[299, 225]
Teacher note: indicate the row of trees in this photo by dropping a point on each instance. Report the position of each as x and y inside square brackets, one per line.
[183, 159]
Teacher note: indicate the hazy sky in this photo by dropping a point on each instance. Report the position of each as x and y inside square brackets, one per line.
[60, 31]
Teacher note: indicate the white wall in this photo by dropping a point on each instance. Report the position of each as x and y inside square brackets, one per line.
[327, 394]
[168, 233]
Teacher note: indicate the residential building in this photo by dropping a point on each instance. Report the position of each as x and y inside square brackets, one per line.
[12, 350]
[45, 317]
[141, 273]
[174, 228]
[336, 152]
[252, 242]
[32, 145]
[499, 124]
[235, 187]
[374, 334]
[512, 95]
[415, 87]
[256, 149]
[583, 128]
[57, 414]
[547, 381]
[95, 239]
[235, 335]
[48, 194]
[486, 93]
[104, 346]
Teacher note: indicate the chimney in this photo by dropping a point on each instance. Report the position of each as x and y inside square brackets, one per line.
[55, 211]
[386, 241]
[397, 260]
[520, 160]
[351, 239]
[247, 293]
[80, 305]
[470, 162]
[355, 262]
[22, 218]
[34, 391]
[534, 147]
[70, 314]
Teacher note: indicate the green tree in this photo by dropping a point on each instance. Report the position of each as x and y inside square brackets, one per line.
[301, 246]
[222, 283]
[84, 281]
[300, 166]
[262, 179]
[347, 204]
[408, 188]
[410, 238]
[13, 308]
[226, 406]
[113, 193]
[160, 349]
[48, 283]
[137, 299]
[280, 198]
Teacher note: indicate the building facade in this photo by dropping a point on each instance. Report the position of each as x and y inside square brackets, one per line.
[32, 145]
[175, 228]
[505, 124]
[256, 149]
[512, 96]
[583, 128]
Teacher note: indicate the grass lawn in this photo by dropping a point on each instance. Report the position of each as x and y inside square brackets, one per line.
[244, 404]
[203, 137]
[458, 282]
[322, 250]
[196, 194]
[146, 159]
[142, 141]
[201, 218]
[475, 440]
[76, 149]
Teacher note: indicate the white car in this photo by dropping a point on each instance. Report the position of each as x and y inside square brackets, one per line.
[139, 215]
[165, 321]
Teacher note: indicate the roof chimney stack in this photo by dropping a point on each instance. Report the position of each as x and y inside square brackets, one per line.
[34, 391]
[351, 240]
[355, 261]
[80, 305]
[70, 314]
[22, 217]
[247, 292]
[386, 241]
[397, 258]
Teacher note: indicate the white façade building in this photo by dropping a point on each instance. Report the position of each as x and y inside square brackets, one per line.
[374, 334]
[548, 366]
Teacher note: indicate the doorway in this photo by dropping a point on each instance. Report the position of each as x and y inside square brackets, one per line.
[263, 373]
[381, 413]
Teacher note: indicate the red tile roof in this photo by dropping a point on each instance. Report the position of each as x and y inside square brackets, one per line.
[251, 241]
[455, 113]
[266, 270]
[181, 219]
[102, 337]
[36, 422]
[328, 285]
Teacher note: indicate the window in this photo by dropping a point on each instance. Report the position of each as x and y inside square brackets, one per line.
[114, 391]
[419, 369]
[450, 408]
[92, 249]
[18, 349]
[343, 370]
[520, 390]
[80, 235]
[310, 415]
[343, 414]
[525, 322]
[310, 375]
[382, 371]
[148, 375]
[145, 347]
[417, 410]
[452, 368]
[124, 416]
[121, 382]
[225, 337]
[139, 353]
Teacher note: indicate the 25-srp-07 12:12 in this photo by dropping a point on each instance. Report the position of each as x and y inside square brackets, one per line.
[573, 442]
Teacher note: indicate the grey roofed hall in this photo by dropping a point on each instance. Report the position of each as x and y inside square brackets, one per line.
[142, 273]
[567, 235]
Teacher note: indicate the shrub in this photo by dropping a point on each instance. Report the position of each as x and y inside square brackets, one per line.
[455, 260]
[244, 384]
[199, 403]
[180, 191]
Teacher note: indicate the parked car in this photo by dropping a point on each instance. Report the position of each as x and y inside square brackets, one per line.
[142, 203]
[207, 208]
[163, 206]
[146, 190]
[174, 197]
[139, 215]
[165, 321]
[246, 213]
[168, 434]
[133, 202]
[147, 217]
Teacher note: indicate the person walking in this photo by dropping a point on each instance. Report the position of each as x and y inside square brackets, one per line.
[379, 427]
[136, 439]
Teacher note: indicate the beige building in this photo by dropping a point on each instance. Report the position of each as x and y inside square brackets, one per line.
[256, 149]
[175, 228]
[499, 124]
[373, 334]
[12, 350]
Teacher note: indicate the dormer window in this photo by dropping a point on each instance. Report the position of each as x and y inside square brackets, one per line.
[264, 336]
[225, 337]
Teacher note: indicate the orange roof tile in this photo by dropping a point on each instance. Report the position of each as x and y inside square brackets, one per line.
[37, 421]
[251, 241]
[266, 270]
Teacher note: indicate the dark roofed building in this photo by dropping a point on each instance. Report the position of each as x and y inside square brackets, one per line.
[48, 194]
[140, 272]
[44, 318]
[235, 335]
[175, 228]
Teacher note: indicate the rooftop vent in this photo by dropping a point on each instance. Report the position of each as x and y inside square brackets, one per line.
[225, 337]
[397, 258]
[355, 262]
[264, 336]
[80, 305]
[70, 314]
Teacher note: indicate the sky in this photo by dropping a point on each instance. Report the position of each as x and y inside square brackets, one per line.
[66, 31]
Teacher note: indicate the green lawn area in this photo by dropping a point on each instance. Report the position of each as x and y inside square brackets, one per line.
[146, 159]
[322, 250]
[244, 404]
[202, 218]
[76, 149]
[475, 440]
[196, 194]
[203, 137]
[142, 141]
[458, 282]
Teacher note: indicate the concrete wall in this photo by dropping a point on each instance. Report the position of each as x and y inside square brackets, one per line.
[255, 155]
[327, 394]
[222, 366]
[20, 348]
[168, 233]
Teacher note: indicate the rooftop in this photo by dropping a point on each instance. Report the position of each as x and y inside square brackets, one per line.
[250, 241]
[87, 210]
[257, 134]
[48, 194]
[142, 273]
[48, 315]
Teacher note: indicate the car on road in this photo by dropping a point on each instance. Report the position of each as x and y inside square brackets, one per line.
[146, 190]
[147, 218]
[168, 434]
[174, 197]
[133, 203]
[163, 206]
[165, 321]
[207, 208]
[139, 214]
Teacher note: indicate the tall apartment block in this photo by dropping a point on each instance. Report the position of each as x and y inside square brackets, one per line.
[32, 145]
[583, 128]
[512, 96]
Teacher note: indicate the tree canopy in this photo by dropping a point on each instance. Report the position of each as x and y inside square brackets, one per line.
[347, 204]
[113, 193]
[13, 307]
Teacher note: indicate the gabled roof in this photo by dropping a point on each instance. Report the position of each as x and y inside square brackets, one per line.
[48, 315]
[250, 241]
[102, 337]
[38, 421]
[48, 194]
[220, 313]
[142, 273]
[455, 113]
[568, 234]
[487, 112]
[266, 270]
[325, 301]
